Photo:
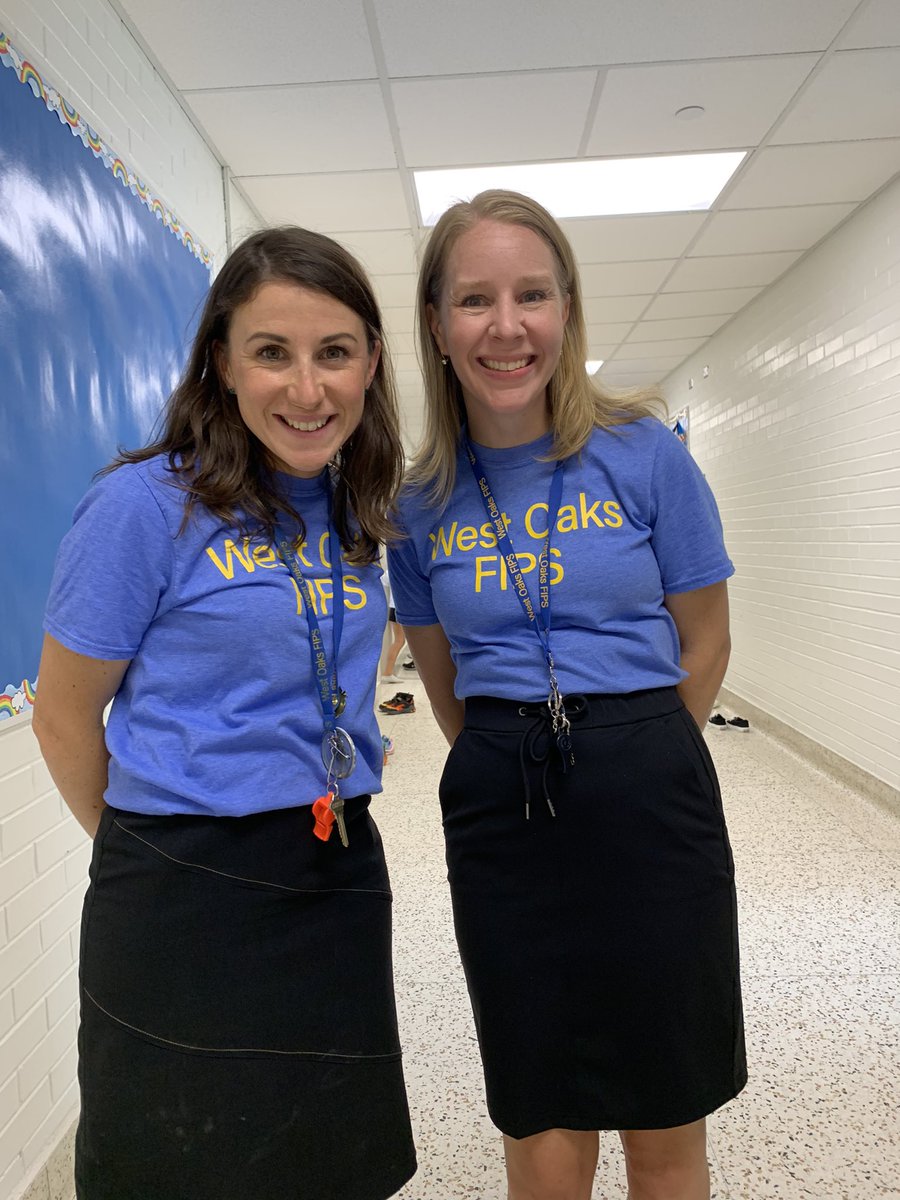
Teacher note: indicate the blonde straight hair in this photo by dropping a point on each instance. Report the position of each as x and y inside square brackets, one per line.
[577, 404]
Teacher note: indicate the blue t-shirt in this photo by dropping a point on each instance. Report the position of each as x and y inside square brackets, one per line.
[218, 712]
[637, 521]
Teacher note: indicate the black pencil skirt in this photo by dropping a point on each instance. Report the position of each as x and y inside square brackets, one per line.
[238, 1034]
[599, 944]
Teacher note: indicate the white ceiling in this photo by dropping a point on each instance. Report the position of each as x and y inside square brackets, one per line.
[322, 110]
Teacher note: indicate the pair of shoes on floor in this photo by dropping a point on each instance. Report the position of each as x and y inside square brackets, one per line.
[741, 724]
[401, 703]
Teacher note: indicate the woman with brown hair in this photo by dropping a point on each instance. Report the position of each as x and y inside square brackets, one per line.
[561, 583]
[220, 587]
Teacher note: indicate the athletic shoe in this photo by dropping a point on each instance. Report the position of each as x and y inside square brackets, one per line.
[401, 703]
[408, 666]
[739, 723]
[718, 721]
[391, 679]
[387, 747]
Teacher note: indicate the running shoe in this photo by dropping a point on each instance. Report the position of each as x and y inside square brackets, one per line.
[718, 721]
[401, 703]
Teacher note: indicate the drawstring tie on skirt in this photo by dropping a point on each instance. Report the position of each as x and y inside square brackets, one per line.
[534, 748]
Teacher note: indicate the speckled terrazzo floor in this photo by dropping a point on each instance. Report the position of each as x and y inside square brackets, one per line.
[819, 887]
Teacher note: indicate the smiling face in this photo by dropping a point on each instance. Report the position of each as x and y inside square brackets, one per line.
[299, 362]
[500, 321]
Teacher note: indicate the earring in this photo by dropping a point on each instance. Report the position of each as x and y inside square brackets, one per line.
[231, 391]
[444, 360]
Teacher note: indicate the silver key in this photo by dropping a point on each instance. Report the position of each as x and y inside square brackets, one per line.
[337, 807]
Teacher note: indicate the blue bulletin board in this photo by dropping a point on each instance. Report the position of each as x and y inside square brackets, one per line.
[100, 289]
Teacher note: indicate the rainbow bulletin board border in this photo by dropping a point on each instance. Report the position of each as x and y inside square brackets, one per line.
[18, 698]
[26, 73]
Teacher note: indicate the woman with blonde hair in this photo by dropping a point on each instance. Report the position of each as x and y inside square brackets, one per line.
[561, 582]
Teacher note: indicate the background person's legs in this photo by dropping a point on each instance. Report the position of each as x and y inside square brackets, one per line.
[393, 650]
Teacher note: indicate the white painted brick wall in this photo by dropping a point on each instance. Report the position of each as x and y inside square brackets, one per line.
[86, 52]
[797, 428]
[82, 48]
[243, 219]
[42, 882]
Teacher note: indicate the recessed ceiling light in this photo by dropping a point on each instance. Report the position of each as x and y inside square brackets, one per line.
[590, 187]
[690, 112]
[593, 365]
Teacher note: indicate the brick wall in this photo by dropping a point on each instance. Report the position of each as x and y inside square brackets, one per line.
[797, 427]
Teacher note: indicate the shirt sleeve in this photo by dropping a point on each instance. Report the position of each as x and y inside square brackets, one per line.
[112, 568]
[687, 533]
[410, 585]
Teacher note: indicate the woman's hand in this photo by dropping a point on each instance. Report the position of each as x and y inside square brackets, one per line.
[72, 695]
[431, 654]
[701, 618]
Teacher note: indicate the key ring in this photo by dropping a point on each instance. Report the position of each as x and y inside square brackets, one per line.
[338, 753]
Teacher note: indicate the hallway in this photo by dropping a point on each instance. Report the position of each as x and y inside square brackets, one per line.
[818, 871]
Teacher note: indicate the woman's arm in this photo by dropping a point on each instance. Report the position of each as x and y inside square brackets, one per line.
[431, 654]
[73, 692]
[701, 618]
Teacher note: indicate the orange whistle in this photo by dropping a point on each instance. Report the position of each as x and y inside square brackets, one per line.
[324, 818]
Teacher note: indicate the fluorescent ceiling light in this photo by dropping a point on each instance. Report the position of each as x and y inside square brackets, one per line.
[593, 365]
[591, 187]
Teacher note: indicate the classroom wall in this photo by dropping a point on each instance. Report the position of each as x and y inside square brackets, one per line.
[83, 49]
[797, 427]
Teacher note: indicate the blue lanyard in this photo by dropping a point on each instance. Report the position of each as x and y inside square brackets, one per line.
[326, 680]
[538, 618]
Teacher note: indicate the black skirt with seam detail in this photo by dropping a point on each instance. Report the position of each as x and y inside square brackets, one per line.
[238, 1037]
[600, 944]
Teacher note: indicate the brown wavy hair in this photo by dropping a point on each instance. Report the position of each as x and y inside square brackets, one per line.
[215, 458]
[578, 404]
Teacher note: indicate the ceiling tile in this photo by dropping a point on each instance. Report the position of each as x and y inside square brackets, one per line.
[660, 365]
[742, 98]
[700, 304]
[769, 229]
[353, 200]
[614, 308]
[600, 350]
[614, 378]
[672, 347]
[877, 24]
[447, 37]
[613, 332]
[624, 279]
[856, 95]
[395, 291]
[386, 252]
[815, 173]
[730, 270]
[620, 239]
[220, 45]
[684, 327]
[272, 131]
[445, 122]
